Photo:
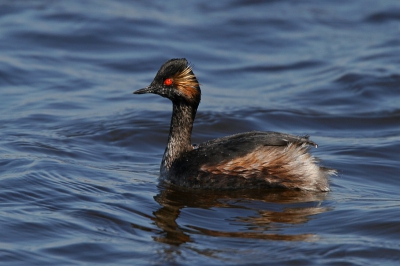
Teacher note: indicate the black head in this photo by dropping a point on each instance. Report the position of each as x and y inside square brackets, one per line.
[176, 81]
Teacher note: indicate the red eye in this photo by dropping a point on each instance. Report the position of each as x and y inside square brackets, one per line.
[168, 82]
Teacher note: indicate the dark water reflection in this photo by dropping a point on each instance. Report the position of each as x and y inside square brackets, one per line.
[260, 213]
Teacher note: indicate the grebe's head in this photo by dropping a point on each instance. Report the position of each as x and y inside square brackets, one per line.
[176, 81]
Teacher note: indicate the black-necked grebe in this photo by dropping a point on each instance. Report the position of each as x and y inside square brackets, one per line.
[246, 160]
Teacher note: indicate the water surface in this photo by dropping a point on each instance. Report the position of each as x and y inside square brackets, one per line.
[79, 154]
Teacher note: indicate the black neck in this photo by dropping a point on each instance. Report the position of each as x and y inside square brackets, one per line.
[179, 140]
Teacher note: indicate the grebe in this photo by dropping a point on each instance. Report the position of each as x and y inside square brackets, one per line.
[245, 160]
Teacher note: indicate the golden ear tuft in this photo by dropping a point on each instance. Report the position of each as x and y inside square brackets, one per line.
[187, 83]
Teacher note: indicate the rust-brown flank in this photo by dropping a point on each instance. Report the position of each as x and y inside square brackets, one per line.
[290, 166]
[187, 83]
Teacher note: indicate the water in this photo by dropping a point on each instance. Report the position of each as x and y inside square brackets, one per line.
[79, 154]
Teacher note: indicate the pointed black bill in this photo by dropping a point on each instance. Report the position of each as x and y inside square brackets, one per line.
[144, 90]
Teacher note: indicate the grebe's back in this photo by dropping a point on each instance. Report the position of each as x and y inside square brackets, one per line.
[250, 160]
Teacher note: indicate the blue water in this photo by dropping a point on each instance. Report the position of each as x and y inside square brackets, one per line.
[80, 154]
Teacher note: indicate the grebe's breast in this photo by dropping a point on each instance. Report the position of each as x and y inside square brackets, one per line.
[251, 160]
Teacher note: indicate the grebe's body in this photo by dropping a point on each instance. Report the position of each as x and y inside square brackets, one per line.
[246, 160]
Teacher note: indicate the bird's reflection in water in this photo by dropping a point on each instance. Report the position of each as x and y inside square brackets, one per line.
[249, 214]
